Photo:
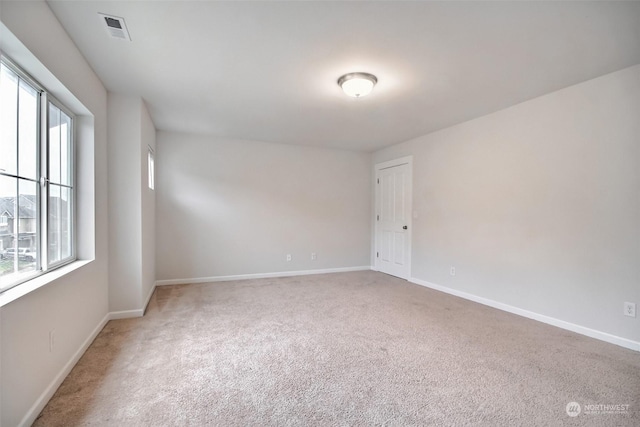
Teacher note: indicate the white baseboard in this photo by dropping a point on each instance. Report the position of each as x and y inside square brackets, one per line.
[126, 314]
[146, 301]
[603, 336]
[258, 276]
[42, 401]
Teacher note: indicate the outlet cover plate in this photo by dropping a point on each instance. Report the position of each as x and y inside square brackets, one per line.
[630, 309]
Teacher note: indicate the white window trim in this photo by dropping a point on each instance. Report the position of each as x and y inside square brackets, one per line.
[31, 280]
[17, 291]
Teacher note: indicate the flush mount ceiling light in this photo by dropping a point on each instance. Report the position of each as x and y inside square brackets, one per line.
[357, 85]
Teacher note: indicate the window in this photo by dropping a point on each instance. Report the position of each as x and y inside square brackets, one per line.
[36, 179]
[152, 169]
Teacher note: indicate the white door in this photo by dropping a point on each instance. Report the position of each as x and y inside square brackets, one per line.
[393, 220]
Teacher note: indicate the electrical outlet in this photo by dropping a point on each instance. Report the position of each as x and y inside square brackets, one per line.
[630, 309]
[52, 340]
[452, 271]
[314, 256]
[288, 257]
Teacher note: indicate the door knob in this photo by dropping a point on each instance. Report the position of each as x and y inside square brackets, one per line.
[404, 227]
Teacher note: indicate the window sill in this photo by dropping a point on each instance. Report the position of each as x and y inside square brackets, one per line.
[29, 286]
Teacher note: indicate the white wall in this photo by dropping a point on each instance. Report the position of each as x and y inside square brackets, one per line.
[537, 206]
[148, 206]
[125, 236]
[131, 204]
[77, 303]
[230, 207]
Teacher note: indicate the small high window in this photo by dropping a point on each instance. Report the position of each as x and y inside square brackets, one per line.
[152, 169]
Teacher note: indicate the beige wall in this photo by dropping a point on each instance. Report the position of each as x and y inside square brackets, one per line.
[537, 206]
[230, 207]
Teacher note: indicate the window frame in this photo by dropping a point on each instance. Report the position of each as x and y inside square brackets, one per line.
[43, 143]
[151, 168]
[48, 98]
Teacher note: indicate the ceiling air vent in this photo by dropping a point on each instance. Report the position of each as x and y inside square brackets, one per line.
[115, 26]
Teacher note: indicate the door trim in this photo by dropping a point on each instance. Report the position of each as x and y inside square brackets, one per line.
[407, 160]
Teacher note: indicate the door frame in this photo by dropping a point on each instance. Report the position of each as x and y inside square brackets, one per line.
[407, 160]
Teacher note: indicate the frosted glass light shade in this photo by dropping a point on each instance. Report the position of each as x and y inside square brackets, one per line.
[357, 85]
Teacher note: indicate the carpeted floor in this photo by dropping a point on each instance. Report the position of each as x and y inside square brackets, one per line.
[357, 349]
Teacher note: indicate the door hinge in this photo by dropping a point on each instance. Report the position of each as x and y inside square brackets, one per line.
[378, 217]
[378, 180]
[377, 254]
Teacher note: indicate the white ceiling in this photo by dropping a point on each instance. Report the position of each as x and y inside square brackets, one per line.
[267, 70]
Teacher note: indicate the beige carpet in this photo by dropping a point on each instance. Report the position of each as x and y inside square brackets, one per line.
[339, 349]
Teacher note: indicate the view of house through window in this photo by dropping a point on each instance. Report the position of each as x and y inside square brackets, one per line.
[36, 179]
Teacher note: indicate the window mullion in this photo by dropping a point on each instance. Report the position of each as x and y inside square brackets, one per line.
[16, 205]
[44, 181]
